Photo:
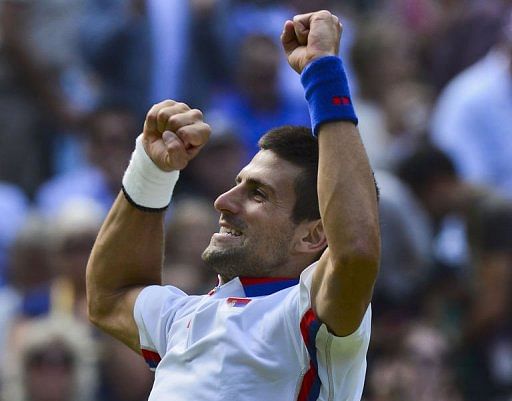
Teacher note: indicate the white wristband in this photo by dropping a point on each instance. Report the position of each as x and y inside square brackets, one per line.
[145, 185]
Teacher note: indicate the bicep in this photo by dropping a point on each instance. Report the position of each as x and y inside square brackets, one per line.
[120, 321]
[341, 292]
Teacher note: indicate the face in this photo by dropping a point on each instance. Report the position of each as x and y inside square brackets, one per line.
[256, 233]
[50, 375]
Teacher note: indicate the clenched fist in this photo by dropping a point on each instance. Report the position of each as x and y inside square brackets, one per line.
[174, 134]
[311, 36]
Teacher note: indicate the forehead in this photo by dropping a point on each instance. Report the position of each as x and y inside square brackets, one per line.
[268, 168]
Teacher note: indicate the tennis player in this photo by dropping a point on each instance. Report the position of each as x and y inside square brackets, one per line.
[297, 251]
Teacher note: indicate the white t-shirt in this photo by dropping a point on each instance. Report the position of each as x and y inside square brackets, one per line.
[248, 340]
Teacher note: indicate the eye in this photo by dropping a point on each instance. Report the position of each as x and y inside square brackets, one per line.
[258, 194]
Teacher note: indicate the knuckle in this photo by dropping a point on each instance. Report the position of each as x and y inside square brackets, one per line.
[323, 14]
[162, 113]
[151, 117]
[207, 129]
[152, 112]
[197, 114]
[183, 132]
[167, 102]
[182, 106]
[322, 17]
[173, 120]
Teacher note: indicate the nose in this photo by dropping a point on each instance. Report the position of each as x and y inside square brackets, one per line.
[229, 201]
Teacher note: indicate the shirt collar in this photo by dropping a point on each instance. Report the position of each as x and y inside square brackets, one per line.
[256, 286]
[259, 286]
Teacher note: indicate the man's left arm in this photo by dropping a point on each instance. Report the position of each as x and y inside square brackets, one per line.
[344, 278]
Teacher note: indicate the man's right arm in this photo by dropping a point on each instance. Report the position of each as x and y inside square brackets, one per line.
[128, 253]
[126, 257]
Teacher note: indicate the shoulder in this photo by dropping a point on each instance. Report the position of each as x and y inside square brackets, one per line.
[159, 300]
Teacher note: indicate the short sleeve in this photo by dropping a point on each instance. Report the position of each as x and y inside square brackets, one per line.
[335, 363]
[154, 312]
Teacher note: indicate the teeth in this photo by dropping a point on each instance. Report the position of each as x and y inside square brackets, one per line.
[230, 231]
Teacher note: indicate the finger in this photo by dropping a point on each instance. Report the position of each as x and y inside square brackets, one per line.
[288, 37]
[176, 155]
[177, 121]
[165, 113]
[194, 135]
[301, 31]
[337, 23]
[303, 19]
[150, 123]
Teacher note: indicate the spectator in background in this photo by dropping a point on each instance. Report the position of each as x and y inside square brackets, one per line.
[53, 360]
[28, 269]
[405, 251]
[232, 21]
[70, 240]
[484, 358]
[472, 120]
[44, 85]
[208, 69]
[463, 32]
[138, 49]
[451, 204]
[188, 232]
[111, 130]
[225, 150]
[383, 60]
[407, 107]
[256, 103]
[448, 200]
[73, 232]
[13, 209]
[416, 368]
[115, 42]
[125, 377]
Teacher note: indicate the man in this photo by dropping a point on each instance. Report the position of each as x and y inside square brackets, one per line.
[274, 328]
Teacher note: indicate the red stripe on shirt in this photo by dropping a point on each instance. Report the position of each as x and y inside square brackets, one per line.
[152, 358]
[310, 387]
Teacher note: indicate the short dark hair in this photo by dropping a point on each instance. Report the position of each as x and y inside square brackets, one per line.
[298, 146]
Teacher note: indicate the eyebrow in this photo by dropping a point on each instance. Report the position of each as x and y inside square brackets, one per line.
[256, 183]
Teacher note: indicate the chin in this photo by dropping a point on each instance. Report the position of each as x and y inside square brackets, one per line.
[226, 261]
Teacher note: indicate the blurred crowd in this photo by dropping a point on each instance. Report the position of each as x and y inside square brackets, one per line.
[432, 83]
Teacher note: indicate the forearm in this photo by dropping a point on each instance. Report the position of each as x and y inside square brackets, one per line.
[347, 192]
[126, 257]
[348, 208]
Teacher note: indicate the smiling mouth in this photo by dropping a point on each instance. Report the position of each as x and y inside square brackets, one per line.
[230, 231]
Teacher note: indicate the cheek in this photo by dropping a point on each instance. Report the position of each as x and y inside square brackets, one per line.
[270, 230]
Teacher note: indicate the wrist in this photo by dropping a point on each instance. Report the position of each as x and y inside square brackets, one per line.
[319, 55]
[327, 92]
[146, 186]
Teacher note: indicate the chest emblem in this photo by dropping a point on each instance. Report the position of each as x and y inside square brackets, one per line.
[236, 302]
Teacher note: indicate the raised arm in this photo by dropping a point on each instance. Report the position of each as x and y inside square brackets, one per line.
[344, 278]
[128, 252]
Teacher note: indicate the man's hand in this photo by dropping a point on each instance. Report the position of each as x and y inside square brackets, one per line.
[174, 134]
[311, 36]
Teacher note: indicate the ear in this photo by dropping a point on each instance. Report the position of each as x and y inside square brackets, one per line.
[311, 237]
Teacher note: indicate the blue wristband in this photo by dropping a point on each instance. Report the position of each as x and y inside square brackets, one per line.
[326, 88]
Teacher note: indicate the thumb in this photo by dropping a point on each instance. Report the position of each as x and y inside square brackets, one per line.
[175, 157]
